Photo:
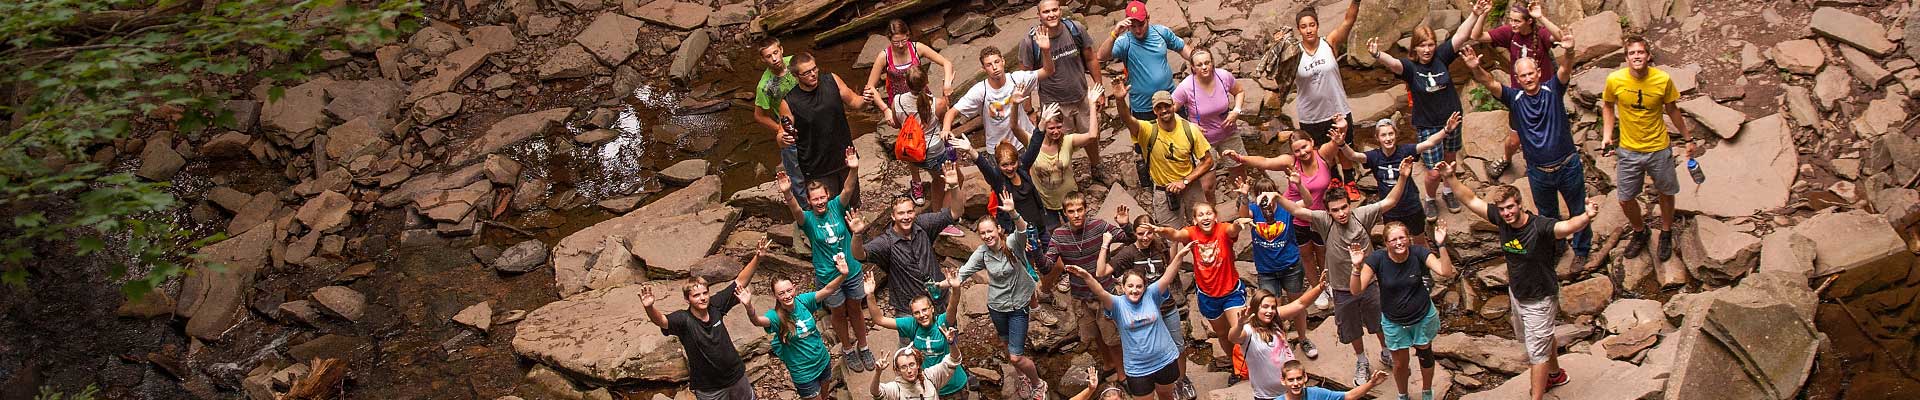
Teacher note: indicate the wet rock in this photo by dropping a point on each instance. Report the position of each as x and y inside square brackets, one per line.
[226, 145]
[594, 335]
[1494, 353]
[763, 200]
[623, 204]
[573, 255]
[675, 14]
[570, 61]
[1871, 258]
[509, 131]
[326, 212]
[1798, 56]
[437, 107]
[377, 99]
[686, 59]
[522, 257]
[1597, 378]
[1729, 252]
[1857, 31]
[159, 161]
[611, 37]
[342, 301]
[1831, 85]
[1721, 120]
[1757, 168]
[1800, 106]
[1586, 297]
[212, 299]
[684, 172]
[448, 72]
[596, 136]
[1742, 352]
[1597, 35]
[479, 316]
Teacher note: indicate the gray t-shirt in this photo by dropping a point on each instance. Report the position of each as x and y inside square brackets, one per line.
[1068, 85]
[1009, 284]
[1339, 236]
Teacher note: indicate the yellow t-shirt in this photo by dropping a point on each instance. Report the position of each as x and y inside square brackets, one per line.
[1172, 155]
[1638, 104]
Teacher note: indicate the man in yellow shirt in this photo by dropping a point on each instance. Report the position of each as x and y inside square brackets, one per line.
[1179, 160]
[1638, 95]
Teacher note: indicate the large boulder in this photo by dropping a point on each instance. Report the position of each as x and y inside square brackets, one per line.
[1730, 253]
[509, 131]
[213, 299]
[522, 257]
[158, 160]
[1485, 133]
[574, 256]
[1734, 351]
[597, 336]
[611, 37]
[1387, 20]
[1862, 248]
[1586, 297]
[1749, 174]
[694, 236]
[1860, 32]
[1596, 36]
[1495, 353]
[1595, 378]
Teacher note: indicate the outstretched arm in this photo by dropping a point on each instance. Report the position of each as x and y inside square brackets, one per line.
[1338, 146]
[1299, 305]
[1472, 57]
[1166, 278]
[1275, 163]
[853, 100]
[1463, 193]
[1540, 17]
[755, 316]
[1338, 38]
[1362, 273]
[653, 314]
[1045, 45]
[1565, 229]
[746, 273]
[850, 189]
[1470, 25]
[785, 184]
[873, 307]
[1100, 291]
[1392, 64]
[1565, 64]
[1093, 381]
[1478, 30]
[1452, 122]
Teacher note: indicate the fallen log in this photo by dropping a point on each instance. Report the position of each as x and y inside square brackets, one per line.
[798, 14]
[869, 21]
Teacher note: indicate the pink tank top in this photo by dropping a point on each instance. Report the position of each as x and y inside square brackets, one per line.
[897, 73]
[1316, 182]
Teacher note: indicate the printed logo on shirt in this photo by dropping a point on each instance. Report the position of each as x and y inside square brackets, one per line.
[1000, 110]
[828, 227]
[1269, 230]
[1144, 319]
[1433, 84]
[1514, 246]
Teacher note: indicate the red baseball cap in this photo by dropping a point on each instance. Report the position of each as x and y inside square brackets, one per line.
[1137, 10]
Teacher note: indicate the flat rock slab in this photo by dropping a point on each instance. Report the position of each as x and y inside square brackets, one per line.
[509, 131]
[1860, 32]
[599, 336]
[1722, 120]
[573, 256]
[1739, 351]
[1594, 378]
[611, 37]
[213, 299]
[1749, 174]
[679, 15]
[1335, 365]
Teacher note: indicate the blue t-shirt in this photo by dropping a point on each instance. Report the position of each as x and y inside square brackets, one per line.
[1434, 97]
[828, 235]
[1541, 119]
[805, 354]
[934, 345]
[1386, 170]
[1316, 393]
[1273, 247]
[1149, 346]
[1146, 61]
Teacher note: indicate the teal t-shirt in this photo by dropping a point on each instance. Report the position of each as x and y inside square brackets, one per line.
[828, 235]
[770, 91]
[806, 354]
[933, 344]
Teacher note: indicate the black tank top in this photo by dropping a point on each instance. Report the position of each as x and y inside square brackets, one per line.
[821, 119]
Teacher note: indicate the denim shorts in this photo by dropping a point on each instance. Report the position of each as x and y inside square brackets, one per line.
[1012, 328]
[1287, 281]
[1212, 308]
[810, 389]
[854, 287]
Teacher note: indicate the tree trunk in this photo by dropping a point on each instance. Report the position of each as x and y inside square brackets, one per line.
[850, 29]
[798, 14]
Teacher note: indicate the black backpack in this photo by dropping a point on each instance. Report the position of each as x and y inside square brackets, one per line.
[1073, 30]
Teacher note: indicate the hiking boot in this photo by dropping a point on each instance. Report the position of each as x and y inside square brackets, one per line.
[1386, 358]
[1306, 347]
[1039, 390]
[1665, 248]
[1497, 168]
[1453, 205]
[866, 359]
[851, 358]
[1361, 371]
[1636, 243]
[1432, 209]
[1557, 378]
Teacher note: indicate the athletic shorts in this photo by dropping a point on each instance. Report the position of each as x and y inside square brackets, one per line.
[1420, 333]
[1321, 131]
[1212, 308]
[1356, 315]
[1635, 167]
[1094, 326]
[1304, 235]
[1138, 386]
[853, 287]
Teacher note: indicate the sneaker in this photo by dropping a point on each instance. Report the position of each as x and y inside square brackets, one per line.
[1353, 192]
[1497, 168]
[953, 231]
[1361, 371]
[1403, 396]
[1558, 379]
[1025, 390]
[1426, 395]
[851, 358]
[1325, 301]
[1432, 209]
[866, 360]
[1386, 358]
[1039, 390]
[1306, 347]
[1636, 243]
[1184, 389]
[1234, 379]
[1453, 205]
[918, 193]
[1665, 248]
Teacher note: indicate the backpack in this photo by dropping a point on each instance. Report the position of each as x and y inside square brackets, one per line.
[1146, 150]
[911, 146]
[1073, 30]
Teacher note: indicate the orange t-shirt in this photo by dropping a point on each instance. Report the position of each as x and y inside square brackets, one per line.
[1213, 269]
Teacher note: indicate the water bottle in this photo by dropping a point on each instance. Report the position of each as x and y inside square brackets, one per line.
[1693, 168]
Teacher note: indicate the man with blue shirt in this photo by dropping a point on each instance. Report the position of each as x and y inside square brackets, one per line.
[1143, 48]
[1538, 111]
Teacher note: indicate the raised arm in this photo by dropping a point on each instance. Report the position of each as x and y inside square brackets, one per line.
[653, 314]
[1381, 57]
[1472, 57]
[1045, 44]
[1338, 38]
[850, 188]
[1564, 66]
[1166, 278]
[1275, 163]
[1093, 381]
[1362, 272]
[1238, 332]
[1299, 305]
[1470, 26]
[1405, 178]
[1294, 207]
[1440, 262]
[1565, 229]
[1099, 291]
[1453, 121]
[1101, 267]
[946, 67]
[1478, 31]
[1539, 15]
[1337, 146]
[755, 316]
[785, 184]
[746, 273]
[873, 307]
[1106, 45]
[1463, 193]
[956, 190]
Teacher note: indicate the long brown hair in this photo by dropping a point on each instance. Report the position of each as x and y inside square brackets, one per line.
[785, 311]
[1267, 329]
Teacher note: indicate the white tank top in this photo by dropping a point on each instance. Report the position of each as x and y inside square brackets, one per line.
[1322, 95]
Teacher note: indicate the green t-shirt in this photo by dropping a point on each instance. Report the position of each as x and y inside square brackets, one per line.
[828, 235]
[933, 344]
[770, 91]
[806, 354]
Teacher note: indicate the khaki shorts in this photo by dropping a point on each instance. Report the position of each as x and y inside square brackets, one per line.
[1166, 212]
[1235, 143]
[1533, 324]
[1095, 327]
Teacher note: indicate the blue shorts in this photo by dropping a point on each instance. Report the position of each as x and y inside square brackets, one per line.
[1420, 333]
[1012, 328]
[854, 287]
[1435, 155]
[810, 389]
[1212, 308]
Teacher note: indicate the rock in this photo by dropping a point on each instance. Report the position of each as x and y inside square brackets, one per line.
[584, 5]
[1378, 105]
[495, 38]
[570, 61]
[1335, 367]
[1383, 19]
[159, 161]
[153, 304]
[1742, 352]
[1800, 106]
[436, 40]
[226, 145]
[1729, 252]
[302, 311]
[871, 50]
[326, 212]
[454, 205]
[1757, 170]
[696, 235]
[686, 59]
[1750, 58]
[342, 301]
[479, 316]
[1586, 297]
[1787, 252]
[621, 205]
[596, 136]
[595, 335]
[522, 257]
[684, 172]
[377, 99]
[255, 212]
[1871, 257]
[299, 109]
[611, 37]
[448, 72]
[228, 199]
[1628, 313]
[1588, 84]
[763, 200]
[1485, 132]
[1882, 116]
[1494, 353]
[213, 299]
[679, 15]
[1860, 32]
[1597, 378]
[1169, 13]
[509, 131]
[501, 170]
[1630, 343]
[1895, 202]
[329, 346]
[1799, 56]
[573, 255]
[1912, 32]
[1831, 85]
[731, 14]
[1596, 36]
[349, 139]
[1722, 120]
[1496, 307]
[1864, 68]
[436, 107]
[245, 114]
[1494, 276]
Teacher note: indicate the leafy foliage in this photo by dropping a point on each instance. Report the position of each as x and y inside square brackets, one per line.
[77, 75]
[1483, 100]
[47, 393]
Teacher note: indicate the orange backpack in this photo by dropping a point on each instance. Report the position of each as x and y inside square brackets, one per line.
[911, 146]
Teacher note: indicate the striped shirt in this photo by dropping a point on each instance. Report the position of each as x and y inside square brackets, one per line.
[1082, 247]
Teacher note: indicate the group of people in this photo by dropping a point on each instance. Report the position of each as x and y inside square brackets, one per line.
[1311, 232]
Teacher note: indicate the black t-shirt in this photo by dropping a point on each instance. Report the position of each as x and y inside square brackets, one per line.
[821, 119]
[1403, 285]
[1386, 169]
[909, 260]
[713, 362]
[1532, 251]
[1434, 97]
